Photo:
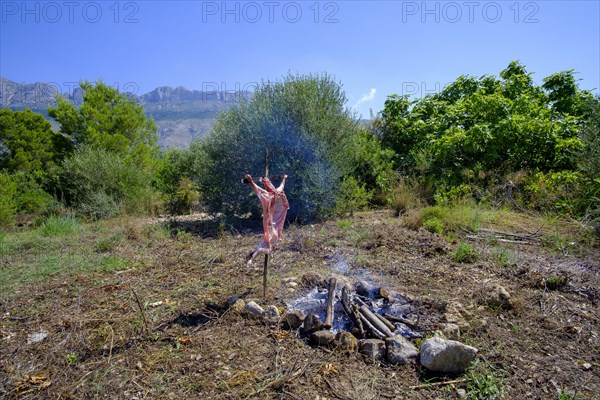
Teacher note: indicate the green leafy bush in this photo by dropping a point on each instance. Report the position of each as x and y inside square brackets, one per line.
[555, 191]
[372, 165]
[465, 253]
[20, 194]
[177, 178]
[434, 225]
[102, 184]
[353, 197]
[8, 205]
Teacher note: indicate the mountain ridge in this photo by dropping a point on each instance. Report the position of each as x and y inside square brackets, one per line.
[182, 115]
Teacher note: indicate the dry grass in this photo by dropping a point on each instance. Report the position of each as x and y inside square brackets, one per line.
[98, 345]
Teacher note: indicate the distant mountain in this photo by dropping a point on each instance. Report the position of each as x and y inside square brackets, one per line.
[181, 115]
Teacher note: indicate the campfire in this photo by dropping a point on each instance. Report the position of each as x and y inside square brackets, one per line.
[362, 308]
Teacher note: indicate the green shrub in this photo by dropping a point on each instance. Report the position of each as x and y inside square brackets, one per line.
[433, 225]
[555, 191]
[185, 198]
[453, 195]
[8, 205]
[372, 165]
[465, 253]
[555, 282]
[352, 197]
[21, 194]
[503, 257]
[344, 224]
[177, 178]
[437, 212]
[183, 236]
[102, 184]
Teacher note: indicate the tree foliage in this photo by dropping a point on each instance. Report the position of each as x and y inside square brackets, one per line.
[27, 143]
[176, 178]
[108, 120]
[303, 126]
[478, 130]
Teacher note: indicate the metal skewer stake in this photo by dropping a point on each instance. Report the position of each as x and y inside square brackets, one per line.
[266, 264]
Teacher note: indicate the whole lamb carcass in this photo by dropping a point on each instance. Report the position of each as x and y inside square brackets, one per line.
[275, 206]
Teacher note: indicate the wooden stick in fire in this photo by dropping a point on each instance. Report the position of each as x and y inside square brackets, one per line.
[330, 297]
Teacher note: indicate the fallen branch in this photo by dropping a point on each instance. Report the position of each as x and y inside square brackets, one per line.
[497, 239]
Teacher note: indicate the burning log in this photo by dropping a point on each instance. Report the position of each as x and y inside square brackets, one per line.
[330, 298]
[352, 310]
[405, 321]
[359, 324]
[346, 301]
[387, 323]
[374, 331]
[374, 321]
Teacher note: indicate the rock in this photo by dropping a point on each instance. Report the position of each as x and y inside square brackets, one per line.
[292, 285]
[322, 338]
[461, 393]
[232, 300]
[292, 320]
[37, 337]
[272, 313]
[456, 313]
[586, 366]
[346, 341]
[238, 305]
[254, 308]
[363, 288]
[442, 355]
[374, 349]
[312, 323]
[386, 294]
[451, 331]
[496, 296]
[311, 279]
[399, 350]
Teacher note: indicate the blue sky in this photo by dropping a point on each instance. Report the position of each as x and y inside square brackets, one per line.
[374, 48]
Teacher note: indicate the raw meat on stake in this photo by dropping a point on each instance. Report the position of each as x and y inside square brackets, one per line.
[275, 206]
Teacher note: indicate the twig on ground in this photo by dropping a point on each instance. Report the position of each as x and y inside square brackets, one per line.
[137, 300]
[428, 385]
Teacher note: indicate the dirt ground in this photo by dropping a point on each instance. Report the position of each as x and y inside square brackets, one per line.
[158, 330]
